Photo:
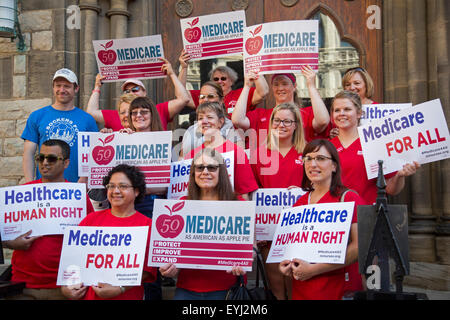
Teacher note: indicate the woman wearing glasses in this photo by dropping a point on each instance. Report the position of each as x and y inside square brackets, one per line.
[225, 77]
[322, 180]
[193, 137]
[111, 119]
[208, 180]
[315, 119]
[278, 164]
[211, 117]
[125, 187]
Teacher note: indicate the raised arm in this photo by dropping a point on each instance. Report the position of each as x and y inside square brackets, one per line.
[182, 96]
[93, 107]
[261, 90]
[239, 117]
[182, 76]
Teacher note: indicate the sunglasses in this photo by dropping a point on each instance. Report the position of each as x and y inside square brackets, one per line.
[208, 96]
[360, 69]
[141, 112]
[209, 167]
[221, 78]
[51, 158]
[134, 89]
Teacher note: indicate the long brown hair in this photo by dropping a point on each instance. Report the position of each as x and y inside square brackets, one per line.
[146, 103]
[224, 190]
[336, 186]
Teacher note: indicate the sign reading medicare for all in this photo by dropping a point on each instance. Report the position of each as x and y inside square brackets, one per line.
[45, 208]
[315, 233]
[113, 255]
[269, 204]
[373, 112]
[179, 175]
[151, 152]
[121, 59]
[214, 35]
[419, 133]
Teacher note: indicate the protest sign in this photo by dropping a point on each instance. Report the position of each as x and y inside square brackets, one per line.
[214, 235]
[213, 35]
[179, 175]
[44, 208]
[316, 233]
[148, 151]
[121, 59]
[283, 46]
[379, 111]
[269, 204]
[419, 133]
[84, 145]
[113, 255]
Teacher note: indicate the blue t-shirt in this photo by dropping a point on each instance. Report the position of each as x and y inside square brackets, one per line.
[48, 123]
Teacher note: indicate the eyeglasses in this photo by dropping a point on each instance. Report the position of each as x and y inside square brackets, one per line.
[209, 96]
[51, 158]
[209, 167]
[318, 159]
[134, 89]
[141, 112]
[221, 78]
[361, 69]
[285, 122]
[122, 187]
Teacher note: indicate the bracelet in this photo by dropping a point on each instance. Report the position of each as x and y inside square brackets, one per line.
[96, 90]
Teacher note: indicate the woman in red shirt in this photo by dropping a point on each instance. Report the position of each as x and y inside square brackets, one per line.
[208, 180]
[322, 179]
[125, 185]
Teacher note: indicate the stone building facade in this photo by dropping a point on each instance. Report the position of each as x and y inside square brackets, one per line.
[415, 51]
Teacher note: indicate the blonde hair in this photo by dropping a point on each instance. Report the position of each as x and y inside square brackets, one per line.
[125, 98]
[298, 137]
[352, 97]
[370, 87]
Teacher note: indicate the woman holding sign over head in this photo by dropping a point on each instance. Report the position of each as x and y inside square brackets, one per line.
[125, 186]
[322, 180]
[208, 180]
[278, 164]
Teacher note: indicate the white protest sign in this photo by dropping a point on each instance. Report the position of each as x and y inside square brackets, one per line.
[269, 204]
[315, 233]
[148, 151]
[121, 59]
[45, 208]
[283, 46]
[113, 255]
[179, 175]
[214, 235]
[213, 35]
[419, 133]
[84, 145]
[379, 111]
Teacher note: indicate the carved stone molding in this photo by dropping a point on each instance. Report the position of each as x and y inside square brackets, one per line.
[119, 12]
[239, 4]
[90, 7]
[184, 8]
[288, 3]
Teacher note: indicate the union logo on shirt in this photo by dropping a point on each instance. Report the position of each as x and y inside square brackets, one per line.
[299, 160]
[62, 129]
[359, 153]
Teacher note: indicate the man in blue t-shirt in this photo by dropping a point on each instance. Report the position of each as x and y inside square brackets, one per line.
[61, 120]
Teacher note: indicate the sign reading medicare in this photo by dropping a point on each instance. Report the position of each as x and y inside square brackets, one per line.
[283, 46]
[121, 59]
[269, 204]
[214, 235]
[44, 208]
[213, 35]
[179, 175]
[419, 133]
[149, 151]
[315, 233]
[92, 255]
[373, 112]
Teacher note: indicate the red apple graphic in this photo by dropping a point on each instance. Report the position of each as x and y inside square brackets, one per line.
[193, 34]
[103, 155]
[107, 56]
[254, 44]
[170, 226]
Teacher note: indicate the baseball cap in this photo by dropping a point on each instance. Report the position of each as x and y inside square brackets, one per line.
[67, 74]
[289, 75]
[134, 81]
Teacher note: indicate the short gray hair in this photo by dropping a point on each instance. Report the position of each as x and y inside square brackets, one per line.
[225, 69]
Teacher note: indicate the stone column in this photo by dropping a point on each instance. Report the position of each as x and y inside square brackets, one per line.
[89, 32]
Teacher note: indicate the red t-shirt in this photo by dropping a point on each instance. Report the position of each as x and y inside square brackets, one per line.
[272, 170]
[229, 100]
[329, 285]
[353, 170]
[105, 218]
[38, 266]
[112, 119]
[244, 181]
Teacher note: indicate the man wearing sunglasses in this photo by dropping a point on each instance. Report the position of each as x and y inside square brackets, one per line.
[35, 259]
[60, 120]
